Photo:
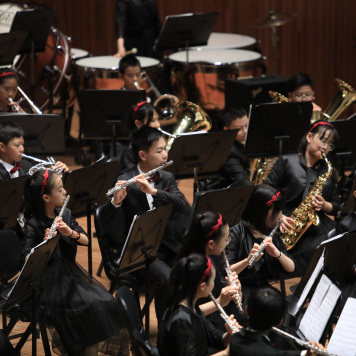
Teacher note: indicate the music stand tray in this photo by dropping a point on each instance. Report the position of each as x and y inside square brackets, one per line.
[186, 30]
[277, 128]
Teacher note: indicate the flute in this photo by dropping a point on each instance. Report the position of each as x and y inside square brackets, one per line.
[54, 225]
[301, 342]
[263, 245]
[223, 314]
[132, 180]
[232, 282]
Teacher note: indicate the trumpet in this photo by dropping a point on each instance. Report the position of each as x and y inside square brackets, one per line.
[54, 225]
[237, 300]
[263, 245]
[14, 108]
[132, 180]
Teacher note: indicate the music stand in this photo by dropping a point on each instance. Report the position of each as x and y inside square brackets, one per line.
[200, 154]
[141, 246]
[10, 44]
[26, 286]
[186, 30]
[276, 128]
[87, 187]
[11, 200]
[104, 114]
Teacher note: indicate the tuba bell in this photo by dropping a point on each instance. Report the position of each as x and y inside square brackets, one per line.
[190, 118]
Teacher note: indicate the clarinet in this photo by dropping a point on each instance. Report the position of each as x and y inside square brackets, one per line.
[301, 342]
[232, 282]
[54, 225]
[263, 245]
[227, 320]
[132, 180]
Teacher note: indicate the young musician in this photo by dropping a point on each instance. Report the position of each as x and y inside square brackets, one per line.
[130, 72]
[294, 175]
[81, 311]
[185, 331]
[149, 145]
[9, 82]
[12, 164]
[263, 211]
[265, 309]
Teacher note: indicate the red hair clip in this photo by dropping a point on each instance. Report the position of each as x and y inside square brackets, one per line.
[207, 270]
[319, 123]
[274, 198]
[5, 74]
[136, 108]
[216, 226]
[44, 181]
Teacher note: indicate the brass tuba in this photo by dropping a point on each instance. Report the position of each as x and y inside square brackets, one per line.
[305, 215]
[190, 118]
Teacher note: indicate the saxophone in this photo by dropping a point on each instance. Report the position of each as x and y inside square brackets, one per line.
[305, 215]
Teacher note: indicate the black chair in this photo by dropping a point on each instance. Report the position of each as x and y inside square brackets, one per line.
[129, 311]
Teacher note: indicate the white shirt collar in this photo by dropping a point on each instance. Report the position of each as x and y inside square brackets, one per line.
[8, 167]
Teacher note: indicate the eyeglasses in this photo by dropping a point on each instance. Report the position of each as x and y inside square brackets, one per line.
[324, 143]
[308, 95]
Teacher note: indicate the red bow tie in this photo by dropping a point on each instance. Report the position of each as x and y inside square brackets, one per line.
[153, 179]
[18, 166]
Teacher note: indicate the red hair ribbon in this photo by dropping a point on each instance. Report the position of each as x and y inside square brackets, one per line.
[136, 108]
[274, 198]
[44, 181]
[319, 123]
[207, 270]
[18, 166]
[215, 227]
[5, 74]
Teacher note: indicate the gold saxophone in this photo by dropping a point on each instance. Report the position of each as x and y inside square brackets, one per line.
[305, 215]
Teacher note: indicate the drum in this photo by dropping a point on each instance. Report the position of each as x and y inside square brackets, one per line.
[77, 53]
[219, 40]
[201, 79]
[102, 72]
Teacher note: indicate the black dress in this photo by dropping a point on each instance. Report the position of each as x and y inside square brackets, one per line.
[76, 305]
[185, 333]
[294, 179]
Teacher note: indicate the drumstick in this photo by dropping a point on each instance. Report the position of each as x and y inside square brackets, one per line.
[131, 51]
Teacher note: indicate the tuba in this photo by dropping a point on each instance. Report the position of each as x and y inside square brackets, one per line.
[190, 118]
[305, 215]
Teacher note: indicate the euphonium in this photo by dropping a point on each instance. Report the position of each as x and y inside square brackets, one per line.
[190, 118]
[305, 215]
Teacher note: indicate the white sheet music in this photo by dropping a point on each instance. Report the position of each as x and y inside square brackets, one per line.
[343, 340]
[319, 310]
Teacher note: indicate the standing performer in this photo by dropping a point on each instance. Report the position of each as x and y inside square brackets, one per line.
[137, 26]
[81, 311]
[9, 82]
[294, 175]
[185, 331]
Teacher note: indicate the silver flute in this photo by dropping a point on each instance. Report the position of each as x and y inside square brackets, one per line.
[54, 225]
[223, 314]
[232, 282]
[132, 180]
[301, 342]
[263, 245]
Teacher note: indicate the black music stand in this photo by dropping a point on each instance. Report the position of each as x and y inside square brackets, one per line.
[26, 286]
[10, 44]
[11, 200]
[44, 134]
[87, 187]
[104, 114]
[141, 246]
[186, 30]
[277, 128]
[200, 155]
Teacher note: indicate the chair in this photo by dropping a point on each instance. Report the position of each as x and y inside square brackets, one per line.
[130, 314]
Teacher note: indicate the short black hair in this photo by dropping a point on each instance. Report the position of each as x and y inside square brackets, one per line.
[265, 308]
[143, 138]
[8, 73]
[129, 60]
[140, 113]
[10, 130]
[229, 115]
[298, 80]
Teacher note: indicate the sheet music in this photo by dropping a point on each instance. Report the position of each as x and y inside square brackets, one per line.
[343, 340]
[311, 281]
[319, 310]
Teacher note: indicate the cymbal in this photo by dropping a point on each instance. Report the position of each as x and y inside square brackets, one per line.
[273, 20]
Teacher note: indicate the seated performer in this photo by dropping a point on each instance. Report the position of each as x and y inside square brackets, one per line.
[6, 348]
[236, 170]
[130, 72]
[9, 82]
[12, 164]
[161, 190]
[265, 308]
[184, 330]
